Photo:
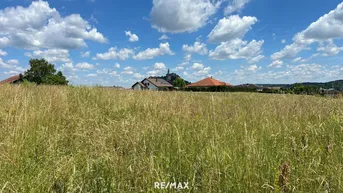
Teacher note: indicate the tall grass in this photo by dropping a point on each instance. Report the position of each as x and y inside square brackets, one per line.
[64, 139]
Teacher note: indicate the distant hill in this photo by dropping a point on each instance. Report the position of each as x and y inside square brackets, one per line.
[337, 85]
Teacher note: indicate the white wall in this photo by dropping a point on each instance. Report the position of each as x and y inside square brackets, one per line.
[137, 87]
[150, 86]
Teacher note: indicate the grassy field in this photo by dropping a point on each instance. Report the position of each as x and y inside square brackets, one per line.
[65, 139]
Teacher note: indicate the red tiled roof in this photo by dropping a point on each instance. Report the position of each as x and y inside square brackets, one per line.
[208, 82]
[10, 80]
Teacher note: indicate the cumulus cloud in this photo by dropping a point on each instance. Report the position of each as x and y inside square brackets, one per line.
[13, 62]
[114, 54]
[290, 51]
[107, 71]
[326, 28]
[164, 37]
[235, 6]
[197, 48]
[237, 49]
[177, 16]
[328, 48]
[231, 28]
[39, 26]
[51, 55]
[91, 75]
[132, 37]
[3, 53]
[276, 64]
[151, 53]
[137, 76]
[117, 65]
[158, 69]
[84, 66]
[256, 59]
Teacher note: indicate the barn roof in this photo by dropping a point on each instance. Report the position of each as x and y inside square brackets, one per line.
[10, 80]
[208, 82]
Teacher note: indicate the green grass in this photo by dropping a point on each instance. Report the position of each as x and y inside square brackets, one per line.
[64, 139]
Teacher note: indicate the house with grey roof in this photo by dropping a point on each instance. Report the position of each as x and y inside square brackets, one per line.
[151, 83]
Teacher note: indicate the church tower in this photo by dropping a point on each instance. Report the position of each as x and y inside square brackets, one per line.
[168, 77]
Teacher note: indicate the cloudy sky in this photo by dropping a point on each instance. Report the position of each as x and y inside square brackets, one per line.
[115, 42]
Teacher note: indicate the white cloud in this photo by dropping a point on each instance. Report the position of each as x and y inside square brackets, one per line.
[128, 70]
[237, 49]
[84, 66]
[298, 59]
[188, 57]
[328, 48]
[151, 53]
[329, 26]
[3, 64]
[164, 37]
[3, 53]
[39, 26]
[326, 28]
[91, 75]
[132, 37]
[283, 41]
[113, 54]
[138, 76]
[117, 65]
[290, 51]
[69, 70]
[256, 59]
[158, 69]
[4, 42]
[231, 28]
[13, 62]
[253, 68]
[85, 54]
[197, 48]
[51, 55]
[276, 64]
[235, 6]
[107, 71]
[177, 16]
[197, 66]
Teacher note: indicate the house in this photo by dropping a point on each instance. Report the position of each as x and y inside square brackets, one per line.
[329, 92]
[250, 87]
[208, 82]
[153, 84]
[11, 80]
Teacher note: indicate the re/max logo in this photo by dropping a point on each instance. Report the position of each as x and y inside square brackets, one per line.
[171, 185]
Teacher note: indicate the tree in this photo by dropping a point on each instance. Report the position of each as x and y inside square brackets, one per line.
[179, 82]
[42, 72]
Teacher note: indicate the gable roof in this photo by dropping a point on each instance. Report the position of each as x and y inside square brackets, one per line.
[141, 84]
[208, 82]
[10, 80]
[159, 82]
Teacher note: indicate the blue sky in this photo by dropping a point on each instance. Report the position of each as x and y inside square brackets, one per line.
[112, 42]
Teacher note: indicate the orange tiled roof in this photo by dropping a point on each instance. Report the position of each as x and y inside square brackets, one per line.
[208, 82]
[10, 80]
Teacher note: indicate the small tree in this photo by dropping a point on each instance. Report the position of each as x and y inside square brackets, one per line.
[42, 72]
[179, 82]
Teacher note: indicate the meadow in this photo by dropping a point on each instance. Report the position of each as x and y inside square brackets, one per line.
[78, 139]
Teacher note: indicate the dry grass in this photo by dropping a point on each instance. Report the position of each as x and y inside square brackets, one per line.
[64, 139]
